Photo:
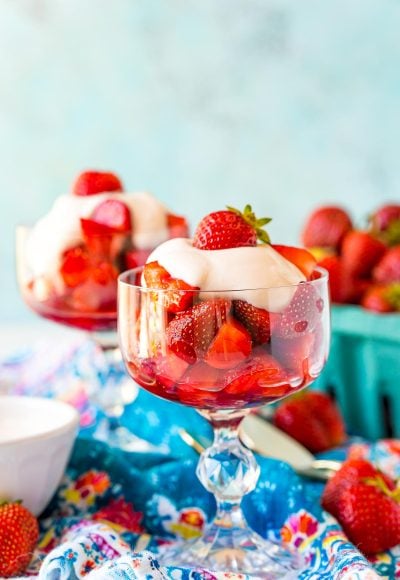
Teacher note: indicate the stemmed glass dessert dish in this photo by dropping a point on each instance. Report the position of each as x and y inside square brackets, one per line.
[226, 330]
[68, 264]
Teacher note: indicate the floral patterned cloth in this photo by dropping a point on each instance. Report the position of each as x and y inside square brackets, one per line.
[114, 509]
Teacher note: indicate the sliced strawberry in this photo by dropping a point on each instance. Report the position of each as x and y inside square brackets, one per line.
[301, 258]
[94, 297]
[230, 229]
[326, 227]
[260, 375]
[293, 353]
[169, 369]
[198, 385]
[177, 226]
[231, 345]
[113, 214]
[103, 273]
[93, 182]
[255, 320]
[361, 252]
[180, 295]
[301, 315]
[75, 266]
[90, 228]
[190, 333]
[135, 258]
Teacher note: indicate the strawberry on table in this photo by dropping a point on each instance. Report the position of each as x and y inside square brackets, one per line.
[231, 345]
[255, 320]
[300, 257]
[351, 472]
[361, 252]
[313, 419]
[387, 270]
[230, 229]
[366, 504]
[94, 182]
[19, 533]
[191, 332]
[294, 353]
[326, 227]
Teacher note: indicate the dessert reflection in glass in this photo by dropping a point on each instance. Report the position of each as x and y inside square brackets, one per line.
[225, 331]
[68, 263]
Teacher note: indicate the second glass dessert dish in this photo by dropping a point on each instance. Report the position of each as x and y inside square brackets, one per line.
[196, 328]
[68, 263]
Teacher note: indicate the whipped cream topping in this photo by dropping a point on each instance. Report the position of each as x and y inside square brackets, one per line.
[246, 270]
[60, 228]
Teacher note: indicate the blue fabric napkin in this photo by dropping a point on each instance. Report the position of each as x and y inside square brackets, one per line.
[114, 509]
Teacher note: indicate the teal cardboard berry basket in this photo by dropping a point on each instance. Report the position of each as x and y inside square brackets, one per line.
[363, 370]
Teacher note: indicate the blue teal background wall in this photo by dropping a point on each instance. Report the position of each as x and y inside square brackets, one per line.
[282, 103]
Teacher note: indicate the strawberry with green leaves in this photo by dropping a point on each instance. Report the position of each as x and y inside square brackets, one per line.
[230, 228]
[19, 533]
[367, 505]
[382, 298]
[385, 224]
[387, 270]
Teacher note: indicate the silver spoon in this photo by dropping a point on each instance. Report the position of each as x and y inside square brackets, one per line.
[269, 441]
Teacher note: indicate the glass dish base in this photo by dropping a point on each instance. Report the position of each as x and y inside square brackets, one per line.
[238, 550]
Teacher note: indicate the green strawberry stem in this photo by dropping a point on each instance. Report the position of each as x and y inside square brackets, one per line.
[257, 223]
[392, 295]
[391, 236]
[381, 484]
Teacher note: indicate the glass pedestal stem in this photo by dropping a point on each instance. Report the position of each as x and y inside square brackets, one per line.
[229, 471]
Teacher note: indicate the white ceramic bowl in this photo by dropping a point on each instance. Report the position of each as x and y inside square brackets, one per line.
[36, 438]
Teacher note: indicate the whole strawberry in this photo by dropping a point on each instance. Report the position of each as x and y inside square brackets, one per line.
[387, 269]
[382, 298]
[326, 227]
[385, 223]
[351, 472]
[230, 228]
[19, 534]
[366, 504]
[313, 419]
[361, 252]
